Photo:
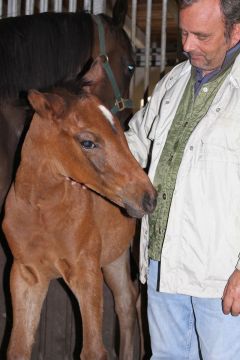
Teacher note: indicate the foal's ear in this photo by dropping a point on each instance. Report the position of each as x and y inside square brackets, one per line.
[94, 76]
[46, 104]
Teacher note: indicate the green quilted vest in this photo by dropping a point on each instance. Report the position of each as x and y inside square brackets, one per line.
[189, 113]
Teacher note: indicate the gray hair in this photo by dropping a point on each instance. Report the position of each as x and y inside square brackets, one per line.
[230, 11]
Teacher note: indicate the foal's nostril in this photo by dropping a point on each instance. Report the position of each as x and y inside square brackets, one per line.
[149, 202]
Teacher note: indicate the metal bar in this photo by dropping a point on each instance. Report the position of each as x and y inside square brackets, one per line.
[133, 38]
[29, 7]
[43, 6]
[134, 23]
[163, 36]
[72, 7]
[147, 49]
[12, 8]
[99, 6]
[57, 6]
[87, 5]
[1, 8]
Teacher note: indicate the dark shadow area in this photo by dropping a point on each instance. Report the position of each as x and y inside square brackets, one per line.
[5, 305]
[77, 318]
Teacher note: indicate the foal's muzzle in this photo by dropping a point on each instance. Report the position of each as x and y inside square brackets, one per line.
[147, 205]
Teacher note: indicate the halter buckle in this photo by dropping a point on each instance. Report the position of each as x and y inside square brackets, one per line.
[120, 104]
[105, 58]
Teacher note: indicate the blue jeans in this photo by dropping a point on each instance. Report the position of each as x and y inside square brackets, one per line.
[184, 327]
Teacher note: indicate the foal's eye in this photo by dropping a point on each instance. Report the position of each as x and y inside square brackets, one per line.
[88, 144]
[131, 68]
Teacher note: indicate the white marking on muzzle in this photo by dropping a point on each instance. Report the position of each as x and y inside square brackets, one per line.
[107, 114]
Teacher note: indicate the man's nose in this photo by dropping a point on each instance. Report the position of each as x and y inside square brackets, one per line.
[189, 43]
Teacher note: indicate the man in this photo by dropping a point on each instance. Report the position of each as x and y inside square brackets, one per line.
[191, 242]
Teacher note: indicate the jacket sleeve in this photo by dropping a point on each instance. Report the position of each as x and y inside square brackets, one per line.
[141, 124]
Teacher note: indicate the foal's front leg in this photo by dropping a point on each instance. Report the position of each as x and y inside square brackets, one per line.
[118, 277]
[86, 282]
[28, 291]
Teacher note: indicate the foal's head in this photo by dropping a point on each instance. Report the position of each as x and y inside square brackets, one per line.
[85, 143]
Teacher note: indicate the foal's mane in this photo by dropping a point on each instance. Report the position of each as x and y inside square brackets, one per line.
[37, 51]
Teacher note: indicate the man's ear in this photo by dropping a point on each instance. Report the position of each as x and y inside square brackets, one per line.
[235, 34]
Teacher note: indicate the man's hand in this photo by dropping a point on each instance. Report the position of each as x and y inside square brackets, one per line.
[231, 295]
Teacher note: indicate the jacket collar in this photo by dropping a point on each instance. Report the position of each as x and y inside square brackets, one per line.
[235, 73]
[179, 71]
[185, 67]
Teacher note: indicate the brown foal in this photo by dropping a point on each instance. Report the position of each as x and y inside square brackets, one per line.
[65, 216]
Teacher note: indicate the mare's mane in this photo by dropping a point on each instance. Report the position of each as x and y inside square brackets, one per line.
[38, 51]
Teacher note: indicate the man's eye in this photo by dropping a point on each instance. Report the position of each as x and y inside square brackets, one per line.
[88, 144]
[202, 37]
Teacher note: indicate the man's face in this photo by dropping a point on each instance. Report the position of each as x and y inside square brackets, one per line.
[203, 34]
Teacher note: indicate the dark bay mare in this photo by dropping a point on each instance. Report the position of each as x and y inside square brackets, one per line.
[59, 221]
[42, 50]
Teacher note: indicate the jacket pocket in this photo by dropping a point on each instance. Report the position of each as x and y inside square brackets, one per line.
[212, 152]
[221, 141]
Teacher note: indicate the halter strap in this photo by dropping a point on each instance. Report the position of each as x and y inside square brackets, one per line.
[120, 103]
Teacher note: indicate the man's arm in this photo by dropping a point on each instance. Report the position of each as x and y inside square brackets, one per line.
[141, 124]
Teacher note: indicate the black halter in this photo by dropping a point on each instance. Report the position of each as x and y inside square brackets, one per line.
[120, 103]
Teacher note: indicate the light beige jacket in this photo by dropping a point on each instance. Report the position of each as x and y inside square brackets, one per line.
[202, 241]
